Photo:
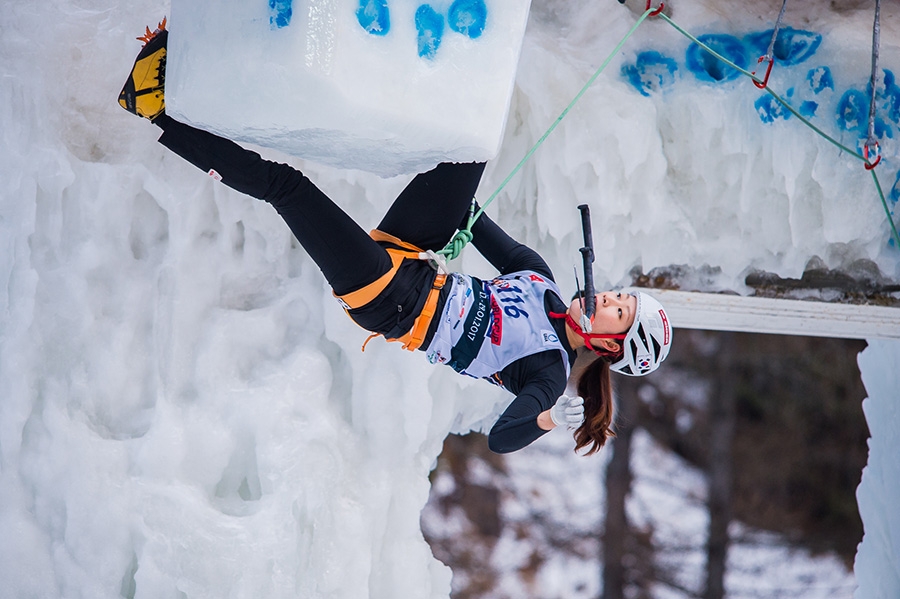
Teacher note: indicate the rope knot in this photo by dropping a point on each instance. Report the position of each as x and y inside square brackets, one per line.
[456, 245]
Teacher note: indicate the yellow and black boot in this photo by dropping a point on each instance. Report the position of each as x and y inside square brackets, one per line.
[144, 92]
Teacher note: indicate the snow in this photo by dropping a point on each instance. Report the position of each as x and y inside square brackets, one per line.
[185, 412]
[667, 503]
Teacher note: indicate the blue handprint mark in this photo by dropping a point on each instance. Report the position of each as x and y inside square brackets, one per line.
[373, 16]
[430, 27]
[651, 72]
[853, 111]
[820, 79]
[467, 17]
[280, 12]
[769, 109]
[888, 97]
[792, 46]
[707, 67]
[808, 108]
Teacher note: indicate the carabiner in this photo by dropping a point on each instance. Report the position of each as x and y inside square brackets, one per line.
[871, 165]
[762, 84]
[656, 12]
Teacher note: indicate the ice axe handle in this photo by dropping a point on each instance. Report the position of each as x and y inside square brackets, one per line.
[587, 257]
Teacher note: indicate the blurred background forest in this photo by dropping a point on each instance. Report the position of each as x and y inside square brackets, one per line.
[775, 424]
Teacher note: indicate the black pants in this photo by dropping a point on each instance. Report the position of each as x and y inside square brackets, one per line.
[427, 213]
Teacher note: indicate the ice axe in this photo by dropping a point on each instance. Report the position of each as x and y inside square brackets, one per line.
[587, 258]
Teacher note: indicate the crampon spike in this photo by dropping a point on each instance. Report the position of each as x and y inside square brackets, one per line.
[149, 35]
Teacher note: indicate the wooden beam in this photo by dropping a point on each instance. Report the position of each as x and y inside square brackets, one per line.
[718, 312]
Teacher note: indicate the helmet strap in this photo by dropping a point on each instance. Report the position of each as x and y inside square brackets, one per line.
[587, 337]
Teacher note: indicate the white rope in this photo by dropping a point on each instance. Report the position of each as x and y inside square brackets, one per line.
[770, 52]
[873, 80]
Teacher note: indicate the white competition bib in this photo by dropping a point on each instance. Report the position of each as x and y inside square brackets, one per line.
[487, 325]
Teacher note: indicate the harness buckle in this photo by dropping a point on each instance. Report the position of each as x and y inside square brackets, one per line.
[437, 261]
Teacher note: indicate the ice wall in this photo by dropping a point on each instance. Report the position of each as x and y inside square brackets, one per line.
[386, 86]
[878, 558]
[682, 168]
[185, 411]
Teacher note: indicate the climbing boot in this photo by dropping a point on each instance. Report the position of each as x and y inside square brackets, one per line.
[144, 91]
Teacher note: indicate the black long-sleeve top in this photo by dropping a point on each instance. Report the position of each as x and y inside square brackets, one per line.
[539, 379]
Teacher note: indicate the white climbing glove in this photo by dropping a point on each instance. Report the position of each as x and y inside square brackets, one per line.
[568, 411]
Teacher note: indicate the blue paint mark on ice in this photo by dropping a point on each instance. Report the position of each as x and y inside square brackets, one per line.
[895, 190]
[812, 94]
[467, 17]
[280, 12]
[769, 109]
[808, 108]
[430, 26]
[853, 115]
[820, 79]
[650, 72]
[883, 131]
[888, 98]
[792, 46]
[853, 111]
[374, 16]
[709, 68]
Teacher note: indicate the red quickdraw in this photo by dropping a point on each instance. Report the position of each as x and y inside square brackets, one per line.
[656, 12]
[762, 84]
[871, 165]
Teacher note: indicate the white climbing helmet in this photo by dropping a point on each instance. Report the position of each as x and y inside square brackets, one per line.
[649, 339]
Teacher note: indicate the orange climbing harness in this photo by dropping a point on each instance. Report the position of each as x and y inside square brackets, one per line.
[400, 251]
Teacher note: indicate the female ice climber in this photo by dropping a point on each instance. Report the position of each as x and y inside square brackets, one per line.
[514, 330]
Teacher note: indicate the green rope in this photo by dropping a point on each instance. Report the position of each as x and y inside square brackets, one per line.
[886, 209]
[463, 236]
[803, 119]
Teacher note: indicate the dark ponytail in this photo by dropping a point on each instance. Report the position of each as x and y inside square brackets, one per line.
[595, 386]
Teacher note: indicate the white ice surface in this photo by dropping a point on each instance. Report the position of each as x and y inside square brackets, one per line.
[877, 565]
[183, 408]
[325, 89]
